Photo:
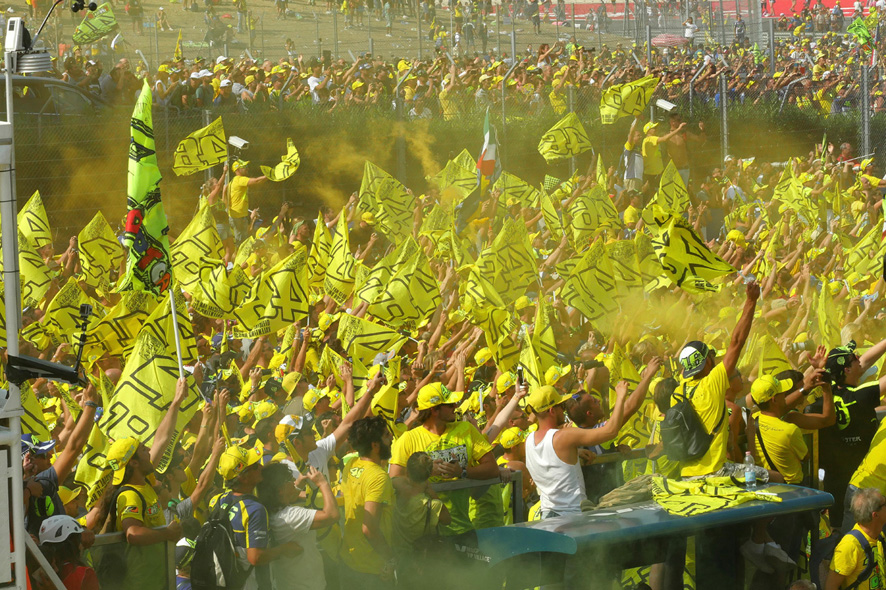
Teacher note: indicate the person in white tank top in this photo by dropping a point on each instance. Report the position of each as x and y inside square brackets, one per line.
[552, 451]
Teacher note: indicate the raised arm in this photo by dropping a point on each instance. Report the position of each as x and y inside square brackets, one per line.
[164, 433]
[742, 329]
[64, 463]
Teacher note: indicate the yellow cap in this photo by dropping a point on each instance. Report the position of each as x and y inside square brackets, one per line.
[285, 427]
[511, 437]
[368, 218]
[737, 237]
[483, 356]
[313, 396]
[356, 84]
[240, 164]
[119, 455]
[555, 373]
[505, 381]
[67, 495]
[544, 398]
[649, 125]
[325, 320]
[436, 394]
[290, 381]
[263, 409]
[767, 387]
[235, 460]
[522, 303]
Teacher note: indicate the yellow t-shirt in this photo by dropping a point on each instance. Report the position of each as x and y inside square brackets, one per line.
[872, 471]
[652, 163]
[129, 505]
[709, 401]
[447, 104]
[850, 559]
[365, 481]
[462, 443]
[558, 101]
[239, 198]
[784, 444]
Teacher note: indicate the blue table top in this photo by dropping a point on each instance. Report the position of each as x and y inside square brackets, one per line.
[634, 522]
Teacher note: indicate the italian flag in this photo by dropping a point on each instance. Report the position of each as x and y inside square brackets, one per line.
[487, 163]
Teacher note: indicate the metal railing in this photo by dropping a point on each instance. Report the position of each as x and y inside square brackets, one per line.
[519, 512]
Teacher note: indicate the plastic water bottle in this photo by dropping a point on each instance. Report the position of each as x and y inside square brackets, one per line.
[750, 473]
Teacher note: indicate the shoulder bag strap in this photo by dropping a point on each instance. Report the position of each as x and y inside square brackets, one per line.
[763, 447]
[869, 554]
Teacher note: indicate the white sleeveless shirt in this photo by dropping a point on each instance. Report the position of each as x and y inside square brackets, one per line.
[560, 485]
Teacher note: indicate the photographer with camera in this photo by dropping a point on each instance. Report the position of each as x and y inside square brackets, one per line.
[843, 445]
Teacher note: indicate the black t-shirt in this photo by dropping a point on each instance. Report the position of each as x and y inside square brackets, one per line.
[50, 504]
[844, 445]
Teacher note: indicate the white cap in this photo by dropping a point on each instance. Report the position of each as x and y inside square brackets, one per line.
[205, 74]
[220, 59]
[225, 83]
[195, 76]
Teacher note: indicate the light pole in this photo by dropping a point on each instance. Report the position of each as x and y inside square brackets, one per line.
[20, 58]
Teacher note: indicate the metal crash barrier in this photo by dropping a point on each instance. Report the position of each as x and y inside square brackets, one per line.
[517, 508]
[108, 558]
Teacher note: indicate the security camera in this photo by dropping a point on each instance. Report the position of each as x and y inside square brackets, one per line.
[17, 36]
[238, 143]
[665, 105]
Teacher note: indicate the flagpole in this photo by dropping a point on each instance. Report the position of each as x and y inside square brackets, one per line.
[178, 343]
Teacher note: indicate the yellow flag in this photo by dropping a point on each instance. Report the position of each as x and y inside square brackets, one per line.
[515, 190]
[364, 340]
[828, 319]
[672, 194]
[100, 253]
[33, 421]
[95, 25]
[544, 343]
[626, 100]
[33, 223]
[278, 298]
[2, 319]
[602, 175]
[590, 287]
[588, 213]
[565, 139]
[339, 280]
[218, 292]
[289, 163]
[33, 273]
[244, 250]
[202, 149]
[625, 266]
[198, 241]
[684, 257]
[144, 394]
[115, 333]
[93, 473]
[552, 218]
[509, 263]
[177, 54]
[401, 290]
[319, 256]
[772, 358]
[458, 177]
[532, 368]
[384, 404]
[388, 201]
[61, 321]
[159, 324]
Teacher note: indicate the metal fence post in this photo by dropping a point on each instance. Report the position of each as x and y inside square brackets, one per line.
[504, 86]
[335, 31]
[571, 97]
[420, 15]
[207, 119]
[865, 110]
[771, 34]
[724, 121]
[498, 29]
[649, 45]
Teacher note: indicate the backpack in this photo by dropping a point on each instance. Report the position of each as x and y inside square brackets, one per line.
[824, 551]
[217, 562]
[682, 432]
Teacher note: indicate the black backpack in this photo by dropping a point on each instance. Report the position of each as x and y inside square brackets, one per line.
[683, 434]
[216, 562]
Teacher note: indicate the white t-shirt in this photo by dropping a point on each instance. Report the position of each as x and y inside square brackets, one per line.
[302, 571]
[313, 82]
[689, 30]
[318, 458]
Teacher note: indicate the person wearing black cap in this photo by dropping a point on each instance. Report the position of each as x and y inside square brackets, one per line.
[844, 445]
